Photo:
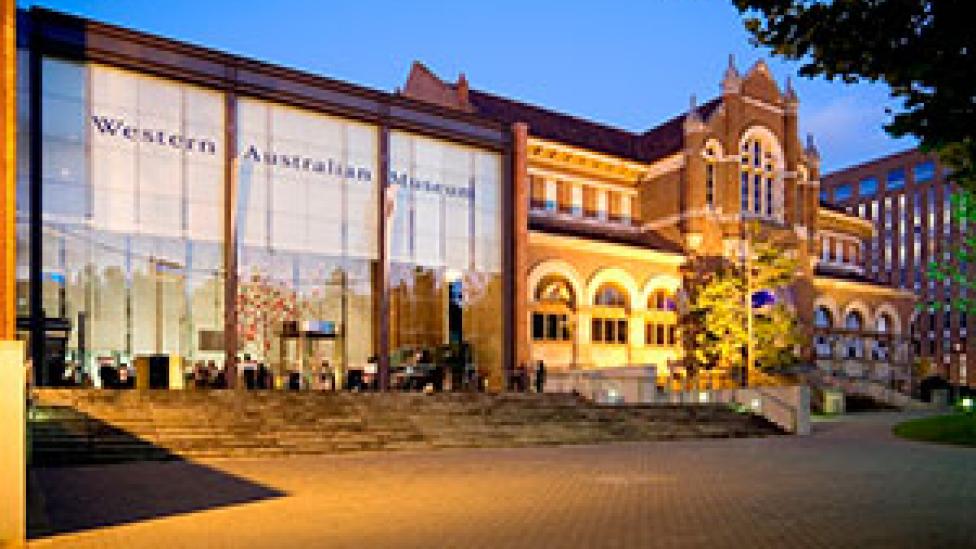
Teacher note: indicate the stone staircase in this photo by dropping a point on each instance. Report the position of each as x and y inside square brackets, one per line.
[102, 426]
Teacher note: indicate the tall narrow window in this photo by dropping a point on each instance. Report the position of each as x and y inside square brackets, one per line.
[710, 184]
[762, 192]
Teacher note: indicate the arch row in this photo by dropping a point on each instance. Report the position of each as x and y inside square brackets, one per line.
[884, 314]
[585, 290]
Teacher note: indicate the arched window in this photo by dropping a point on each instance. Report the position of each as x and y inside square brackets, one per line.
[556, 290]
[609, 325]
[711, 162]
[611, 295]
[556, 303]
[761, 187]
[854, 323]
[822, 318]
[661, 300]
[882, 325]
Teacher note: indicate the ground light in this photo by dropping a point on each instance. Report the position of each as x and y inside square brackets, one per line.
[967, 404]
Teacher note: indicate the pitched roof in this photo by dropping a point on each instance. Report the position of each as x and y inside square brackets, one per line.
[651, 145]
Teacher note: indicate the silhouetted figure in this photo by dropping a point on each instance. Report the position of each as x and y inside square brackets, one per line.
[540, 376]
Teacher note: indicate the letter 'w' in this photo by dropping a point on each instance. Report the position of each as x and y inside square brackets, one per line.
[105, 125]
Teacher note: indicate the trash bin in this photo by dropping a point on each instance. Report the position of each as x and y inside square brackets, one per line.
[833, 401]
[159, 372]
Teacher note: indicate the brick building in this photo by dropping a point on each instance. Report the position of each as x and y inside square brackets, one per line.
[606, 218]
[907, 198]
[182, 205]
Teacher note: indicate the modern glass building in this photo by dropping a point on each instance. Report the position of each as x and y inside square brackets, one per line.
[178, 202]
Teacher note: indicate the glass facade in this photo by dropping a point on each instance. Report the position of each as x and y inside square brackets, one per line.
[135, 234]
[445, 274]
[132, 194]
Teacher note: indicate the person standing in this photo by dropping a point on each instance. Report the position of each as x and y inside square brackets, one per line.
[540, 376]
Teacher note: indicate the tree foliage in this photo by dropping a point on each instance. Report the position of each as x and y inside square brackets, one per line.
[716, 318]
[923, 50]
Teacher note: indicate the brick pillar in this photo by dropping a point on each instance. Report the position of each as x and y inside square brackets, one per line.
[8, 165]
[520, 241]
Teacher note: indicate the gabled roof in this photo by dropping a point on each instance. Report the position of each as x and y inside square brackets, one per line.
[649, 146]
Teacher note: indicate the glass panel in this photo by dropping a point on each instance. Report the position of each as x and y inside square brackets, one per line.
[133, 191]
[869, 187]
[896, 179]
[445, 236]
[842, 192]
[307, 216]
[924, 171]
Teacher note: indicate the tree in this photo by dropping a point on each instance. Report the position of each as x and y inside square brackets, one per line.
[923, 50]
[716, 323]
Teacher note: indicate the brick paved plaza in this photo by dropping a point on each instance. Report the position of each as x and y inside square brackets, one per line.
[851, 484]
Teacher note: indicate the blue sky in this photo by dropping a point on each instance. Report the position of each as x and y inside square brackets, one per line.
[627, 64]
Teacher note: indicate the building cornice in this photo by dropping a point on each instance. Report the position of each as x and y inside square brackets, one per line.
[826, 282]
[583, 245]
[844, 218]
[562, 156]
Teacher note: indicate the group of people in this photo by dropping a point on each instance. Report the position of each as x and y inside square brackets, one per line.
[207, 375]
[519, 380]
[256, 375]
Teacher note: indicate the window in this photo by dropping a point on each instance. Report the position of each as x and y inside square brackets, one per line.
[868, 187]
[924, 172]
[745, 191]
[609, 331]
[661, 334]
[550, 327]
[661, 300]
[896, 179]
[577, 200]
[710, 184]
[555, 290]
[854, 323]
[822, 318]
[758, 165]
[610, 295]
[601, 205]
[825, 195]
[607, 326]
[552, 194]
[842, 192]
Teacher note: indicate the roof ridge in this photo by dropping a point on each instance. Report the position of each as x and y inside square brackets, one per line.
[575, 117]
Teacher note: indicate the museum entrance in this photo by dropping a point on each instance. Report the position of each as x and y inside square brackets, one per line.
[310, 357]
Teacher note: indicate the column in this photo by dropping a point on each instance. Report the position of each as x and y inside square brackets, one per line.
[230, 237]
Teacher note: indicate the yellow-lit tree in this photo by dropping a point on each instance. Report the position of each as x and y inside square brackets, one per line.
[716, 322]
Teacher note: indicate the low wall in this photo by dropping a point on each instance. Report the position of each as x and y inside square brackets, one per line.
[13, 456]
[786, 406]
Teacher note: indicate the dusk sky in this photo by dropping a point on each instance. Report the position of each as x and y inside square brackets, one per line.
[627, 64]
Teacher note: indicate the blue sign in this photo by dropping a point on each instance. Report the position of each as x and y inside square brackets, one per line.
[763, 298]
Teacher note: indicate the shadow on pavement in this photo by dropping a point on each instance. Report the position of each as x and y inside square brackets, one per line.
[87, 474]
[82, 498]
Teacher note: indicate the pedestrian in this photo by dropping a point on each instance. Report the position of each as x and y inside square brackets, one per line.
[521, 378]
[540, 376]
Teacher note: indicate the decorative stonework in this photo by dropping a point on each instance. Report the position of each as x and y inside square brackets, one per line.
[560, 156]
